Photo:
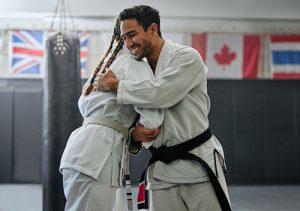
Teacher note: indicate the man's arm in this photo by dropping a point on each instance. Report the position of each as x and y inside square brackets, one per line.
[186, 71]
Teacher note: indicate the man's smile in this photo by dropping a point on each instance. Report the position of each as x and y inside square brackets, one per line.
[134, 49]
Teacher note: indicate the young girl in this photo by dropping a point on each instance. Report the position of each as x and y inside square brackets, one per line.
[92, 160]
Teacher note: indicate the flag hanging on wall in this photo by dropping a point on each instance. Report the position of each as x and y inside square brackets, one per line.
[26, 52]
[285, 56]
[84, 42]
[232, 56]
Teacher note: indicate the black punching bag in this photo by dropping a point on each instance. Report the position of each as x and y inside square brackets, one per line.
[62, 89]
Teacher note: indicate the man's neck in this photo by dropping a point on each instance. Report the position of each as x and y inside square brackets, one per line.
[153, 58]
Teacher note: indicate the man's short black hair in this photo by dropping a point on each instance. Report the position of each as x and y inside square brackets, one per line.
[145, 16]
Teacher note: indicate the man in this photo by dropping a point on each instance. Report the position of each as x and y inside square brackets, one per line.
[180, 88]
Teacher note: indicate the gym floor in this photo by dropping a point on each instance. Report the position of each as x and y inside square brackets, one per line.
[18, 197]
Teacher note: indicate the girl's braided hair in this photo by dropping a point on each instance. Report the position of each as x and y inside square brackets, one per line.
[116, 37]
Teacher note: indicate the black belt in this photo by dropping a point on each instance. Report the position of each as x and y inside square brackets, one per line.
[181, 151]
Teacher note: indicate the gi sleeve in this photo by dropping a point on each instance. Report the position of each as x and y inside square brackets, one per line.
[186, 70]
[137, 72]
[150, 118]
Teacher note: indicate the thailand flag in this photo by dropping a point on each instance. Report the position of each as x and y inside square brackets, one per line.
[84, 42]
[231, 56]
[285, 56]
[26, 52]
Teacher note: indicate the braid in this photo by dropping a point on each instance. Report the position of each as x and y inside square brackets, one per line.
[114, 54]
[89, 88]
[115, 37]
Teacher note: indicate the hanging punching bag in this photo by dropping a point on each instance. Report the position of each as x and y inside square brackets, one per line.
[62, 89]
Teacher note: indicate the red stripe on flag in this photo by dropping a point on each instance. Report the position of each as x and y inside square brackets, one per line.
[286, 75]
[83, 53]
[18, 32]
[285, 38]
[251, 56]
[28, 51]
[17, 70]
[199, 43]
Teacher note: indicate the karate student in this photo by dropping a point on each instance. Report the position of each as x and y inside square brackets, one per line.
[190, 177]
[95, 151]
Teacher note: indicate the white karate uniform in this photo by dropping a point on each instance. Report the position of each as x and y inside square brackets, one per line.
[180, 88]
[96, 151]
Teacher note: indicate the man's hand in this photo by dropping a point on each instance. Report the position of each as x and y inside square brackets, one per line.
[140, 133]
[107, 82]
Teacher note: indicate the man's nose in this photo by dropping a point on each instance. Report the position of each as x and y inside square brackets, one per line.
[129, 43]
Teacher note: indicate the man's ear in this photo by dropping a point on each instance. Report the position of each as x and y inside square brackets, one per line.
[153, 28]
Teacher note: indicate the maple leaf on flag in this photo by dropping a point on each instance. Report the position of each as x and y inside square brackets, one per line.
[225, 57]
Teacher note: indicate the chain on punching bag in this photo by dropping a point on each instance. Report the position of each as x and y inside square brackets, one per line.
[62, 88]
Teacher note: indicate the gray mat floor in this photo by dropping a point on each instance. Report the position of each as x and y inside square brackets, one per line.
[244, 198]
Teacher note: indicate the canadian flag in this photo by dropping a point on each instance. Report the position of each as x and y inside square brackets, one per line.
[229, 55]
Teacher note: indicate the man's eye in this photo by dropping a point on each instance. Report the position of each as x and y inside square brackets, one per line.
[132, 35]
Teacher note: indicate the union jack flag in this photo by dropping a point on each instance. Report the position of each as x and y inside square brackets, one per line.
[84, 42]
[27, 51]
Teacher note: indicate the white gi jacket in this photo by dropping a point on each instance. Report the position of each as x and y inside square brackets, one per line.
[180, 87]
[90, 146]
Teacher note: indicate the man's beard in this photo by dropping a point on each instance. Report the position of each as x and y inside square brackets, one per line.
[145, 51]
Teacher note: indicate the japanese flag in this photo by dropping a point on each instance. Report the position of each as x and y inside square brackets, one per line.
[229, 55]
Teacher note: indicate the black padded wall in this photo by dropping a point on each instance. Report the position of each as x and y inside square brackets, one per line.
[257, 122]
[6, 134]
[27, 158]
[20, 139]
